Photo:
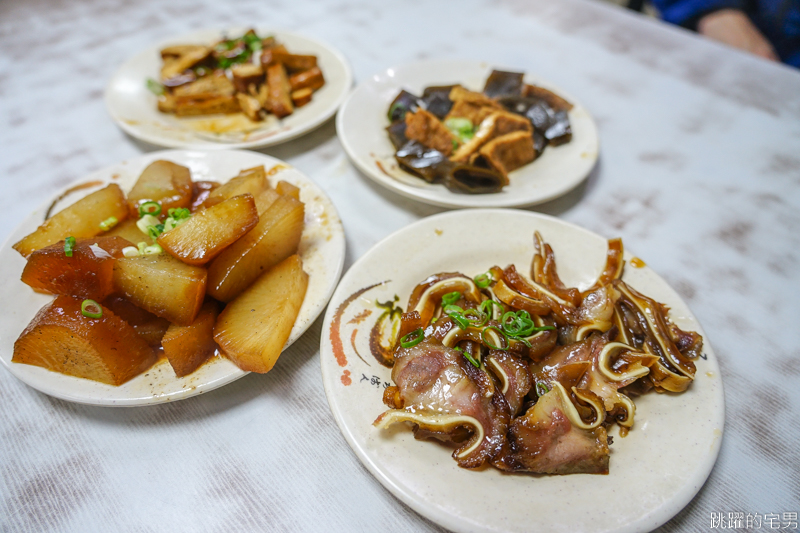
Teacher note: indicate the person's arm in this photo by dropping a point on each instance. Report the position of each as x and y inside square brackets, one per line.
[722, 20]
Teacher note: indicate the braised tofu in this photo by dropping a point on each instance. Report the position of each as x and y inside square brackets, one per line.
[497, 124]
[428, 130]
[279, 99]
[308, 79]
[509, 152]
[471, 105]
[246, 75]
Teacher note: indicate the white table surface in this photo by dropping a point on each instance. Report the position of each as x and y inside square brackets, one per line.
[699, 174]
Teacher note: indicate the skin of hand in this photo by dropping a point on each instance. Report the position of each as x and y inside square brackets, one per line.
[734, 28]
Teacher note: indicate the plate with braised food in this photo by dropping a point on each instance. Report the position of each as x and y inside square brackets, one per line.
[241, 88]
[167, 276]
[465, 134]
[501, 370]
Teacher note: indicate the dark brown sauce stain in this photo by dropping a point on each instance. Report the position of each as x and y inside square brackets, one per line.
[69, 191]
[335, 334]
[353, 344]
[360, 317]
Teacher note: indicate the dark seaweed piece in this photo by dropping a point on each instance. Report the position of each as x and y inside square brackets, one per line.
[427, 163]
[539, 142]
[437, 100]
[560, 131]
[553, 125]
[500, 83]
[404, 102]
[397, 133]
[473, 180]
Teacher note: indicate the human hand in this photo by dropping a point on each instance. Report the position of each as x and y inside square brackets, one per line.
[734, 28]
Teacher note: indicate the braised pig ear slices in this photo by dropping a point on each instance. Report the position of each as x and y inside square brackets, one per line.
[250, 74]
[527, 374]
[146, 272]
[471, 141]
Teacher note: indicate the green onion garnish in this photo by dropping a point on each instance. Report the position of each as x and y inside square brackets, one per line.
[461, 128]
[130, 251]
[69, 246]
[483, 280]
[108, 223]
[150, 208]
[455, 145]
[541, 389]
[499, 332]
[400, 106]
[413, 338]
[153, 249]
[471, 359]
[91, 309]
[488, 305]
[450, 298]
[140, 247]
[476, 318]
[154, 231]
[154, 87]
[455, 312]
[179, 213]
[520, 339]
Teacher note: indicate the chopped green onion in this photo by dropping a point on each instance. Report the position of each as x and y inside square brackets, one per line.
[483, 280]
[154, 87]
[541, 389]
[455, 312]
[91, 309]
[108, 223]
[517, 324]
[398, 105]
[520, 339]
[458, 349]
[488, 307]
[140, 247]
[154, 231]
[455, 145]
[146, 221]
[489, 344]
[476, 318]
[150, 208]
[413, 338]
[450, 298]
[130, 251]
[154, 249]
[69, 246]
[461, 128]
[179, 213]
[471, 359]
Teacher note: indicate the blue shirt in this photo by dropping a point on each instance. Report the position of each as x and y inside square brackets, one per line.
[778, 20]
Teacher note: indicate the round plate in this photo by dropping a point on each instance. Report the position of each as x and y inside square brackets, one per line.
[133, 106]
[361, 124]
[654, 471]
[321, 248]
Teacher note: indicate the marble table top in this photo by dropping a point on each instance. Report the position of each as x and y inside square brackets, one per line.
[699, 173]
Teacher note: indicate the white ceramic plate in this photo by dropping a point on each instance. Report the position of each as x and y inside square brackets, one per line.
[133, 106]
[361, 124]
[654, 472]
[321, 248]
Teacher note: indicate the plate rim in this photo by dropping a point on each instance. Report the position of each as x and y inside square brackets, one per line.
[457, 201]
[273, 140]
[644, 523]
[214, 383]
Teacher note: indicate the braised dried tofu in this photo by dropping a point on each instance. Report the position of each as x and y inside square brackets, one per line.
[164, 182]
[301, 97]
[162, 285]
[129, 231]
[309, 79]
[60, 338]
[273, 239]
[427, 129]
[254, 327]
[80, 220]
[279, 100]
[250, 181]
[86, 273]
[508, 152]
[208, 232]
[147, 326]
[188, 347]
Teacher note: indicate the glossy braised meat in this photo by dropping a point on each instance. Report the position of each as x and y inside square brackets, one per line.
[447, 398]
